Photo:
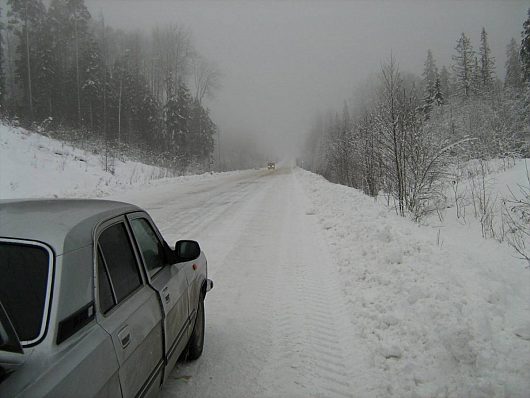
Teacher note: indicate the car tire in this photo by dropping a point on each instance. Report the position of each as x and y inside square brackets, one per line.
[196, 341]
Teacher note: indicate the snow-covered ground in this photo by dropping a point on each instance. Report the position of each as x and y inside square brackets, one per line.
[480, 197]
[449, 319]
[319, 290]
[32, 165]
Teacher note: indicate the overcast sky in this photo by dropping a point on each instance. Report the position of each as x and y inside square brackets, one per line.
[284, 60]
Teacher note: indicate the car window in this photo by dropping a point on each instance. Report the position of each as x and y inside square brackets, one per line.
[24, 273]
[151, 247]
[106, 297]
[119, 258]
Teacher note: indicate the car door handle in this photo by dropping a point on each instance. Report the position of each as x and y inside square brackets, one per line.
[124, 336]
[165, 293]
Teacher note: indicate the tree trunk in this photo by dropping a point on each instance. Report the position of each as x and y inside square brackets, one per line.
[77, 72]
[91, 117]
[119, 110]
[28, 64]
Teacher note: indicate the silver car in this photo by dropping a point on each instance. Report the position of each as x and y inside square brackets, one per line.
[93, 302]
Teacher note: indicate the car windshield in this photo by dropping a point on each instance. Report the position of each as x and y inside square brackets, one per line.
[24, 269]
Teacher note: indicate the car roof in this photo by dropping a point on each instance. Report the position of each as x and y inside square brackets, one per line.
[63, 224]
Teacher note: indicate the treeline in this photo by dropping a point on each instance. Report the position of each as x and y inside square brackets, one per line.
[63, 69]
[403, 134]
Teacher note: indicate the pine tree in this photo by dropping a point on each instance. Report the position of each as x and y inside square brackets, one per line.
[25, 18]
[476, 79]
[438, 96]
[172, 118]
[346, 119]
[77, 17]
[57, 21]
[44, 73]
[513, 77]
[138, 103]
[201, 132]
[487, 63]
[2, 74]
[147, 121]
[120, 94]
[430, 76]
[444, 82]
[430, 73]
[69, 24]
[183, 113]
[463, 66]
[525, 49]
[92, 84]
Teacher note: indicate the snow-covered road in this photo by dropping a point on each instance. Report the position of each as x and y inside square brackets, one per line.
[276, 319]
[320, 292]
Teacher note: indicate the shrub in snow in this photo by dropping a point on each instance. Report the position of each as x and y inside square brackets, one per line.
[517, 217]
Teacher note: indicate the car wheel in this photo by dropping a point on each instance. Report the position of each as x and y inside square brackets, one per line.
[196, 341]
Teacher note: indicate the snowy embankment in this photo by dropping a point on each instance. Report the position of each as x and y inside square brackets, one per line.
[449, 319]
[486, 198]
[32, 165]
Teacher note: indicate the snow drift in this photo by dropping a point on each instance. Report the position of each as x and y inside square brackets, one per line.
[447, 318]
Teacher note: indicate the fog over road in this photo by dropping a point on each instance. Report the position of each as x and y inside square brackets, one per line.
[275, 319]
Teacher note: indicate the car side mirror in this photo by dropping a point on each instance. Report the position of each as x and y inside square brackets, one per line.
[187, 250]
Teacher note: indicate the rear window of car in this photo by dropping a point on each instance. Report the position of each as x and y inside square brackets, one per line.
[24, 281]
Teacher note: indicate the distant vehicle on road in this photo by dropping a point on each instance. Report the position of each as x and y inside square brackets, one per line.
[93, 301]
[271, 166]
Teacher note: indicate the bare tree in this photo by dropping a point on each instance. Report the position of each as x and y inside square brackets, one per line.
[171, 54]
[206, 77]
[392, 137]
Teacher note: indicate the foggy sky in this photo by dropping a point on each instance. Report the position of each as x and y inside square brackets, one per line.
[283, 61]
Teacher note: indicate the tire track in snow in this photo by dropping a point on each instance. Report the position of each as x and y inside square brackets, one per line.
[195, 218]
[308, 358]
[276, 323]
[239, 318]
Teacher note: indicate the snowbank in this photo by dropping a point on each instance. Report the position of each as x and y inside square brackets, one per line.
[441, 318]
[32, 165]
[480, 199]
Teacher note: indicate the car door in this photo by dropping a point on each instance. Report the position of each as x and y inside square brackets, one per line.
[169, 280]
[129, 310]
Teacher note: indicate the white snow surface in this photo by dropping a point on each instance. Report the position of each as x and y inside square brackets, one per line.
[319, 291]
[33, 165]
[437, 321]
